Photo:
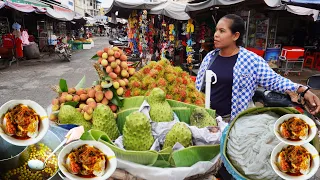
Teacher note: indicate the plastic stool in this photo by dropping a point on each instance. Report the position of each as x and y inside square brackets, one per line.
[308, 62]
[317, 61]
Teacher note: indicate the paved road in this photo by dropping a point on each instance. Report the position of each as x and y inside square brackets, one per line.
[32, 78]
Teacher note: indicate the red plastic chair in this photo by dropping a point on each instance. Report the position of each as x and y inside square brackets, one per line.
[317, 60]
[309, 62]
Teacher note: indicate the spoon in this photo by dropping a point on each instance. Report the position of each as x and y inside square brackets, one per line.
[73, 134]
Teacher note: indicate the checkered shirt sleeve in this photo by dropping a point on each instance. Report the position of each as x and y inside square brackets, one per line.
[202, 70]
[270, 80]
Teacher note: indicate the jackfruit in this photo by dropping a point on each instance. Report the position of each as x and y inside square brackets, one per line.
[137, 134]
[69, 115]
[201, 118]
[179, 133]
[104, 120]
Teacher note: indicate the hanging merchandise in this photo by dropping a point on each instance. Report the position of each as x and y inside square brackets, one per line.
[143, 36]
[172, 33]
[133, 32]
[164, 39]
[189, 49]
[151, 33]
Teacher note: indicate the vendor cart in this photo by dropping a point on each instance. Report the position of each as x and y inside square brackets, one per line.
[291, 60]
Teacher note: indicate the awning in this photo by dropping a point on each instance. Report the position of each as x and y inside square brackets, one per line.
[298, 10]
[26, 8]
[2, 4]
[209, 3]
[171, 9]
[60, 13]
[312, 4]
[125, 7]
[31, 2]
[303, 11]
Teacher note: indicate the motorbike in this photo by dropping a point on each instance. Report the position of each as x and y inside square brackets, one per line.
[275, 99]
[63, 49]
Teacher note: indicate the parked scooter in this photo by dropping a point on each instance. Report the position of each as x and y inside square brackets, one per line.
[274, 99]
[63, 49]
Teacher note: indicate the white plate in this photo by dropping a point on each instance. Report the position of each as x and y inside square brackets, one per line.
[44, 123]
[310, 122]
[314, 165]
[112, 161]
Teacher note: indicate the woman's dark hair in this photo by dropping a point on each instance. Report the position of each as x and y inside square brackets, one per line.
[236, 26]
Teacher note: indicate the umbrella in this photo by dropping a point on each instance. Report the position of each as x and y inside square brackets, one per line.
[171, 9]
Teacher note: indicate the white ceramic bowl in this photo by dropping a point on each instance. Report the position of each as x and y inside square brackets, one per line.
[310, 122]
[44, 123]
[112, 161]
[314, 165]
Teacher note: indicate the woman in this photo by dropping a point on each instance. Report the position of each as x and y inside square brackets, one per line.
[240, 71]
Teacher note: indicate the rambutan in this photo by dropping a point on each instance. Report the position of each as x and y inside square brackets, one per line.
[183, 93]
[146, 70]
[162, 82]
[158, 67]
[127, 93]
[168, 96]
[169, 69]
[136, 92]
[153, 85]
[185, 74]
[199, 102]
[153, 73]
[178, 69]
[170, 77]
[179, 80]
[184, 81]
[164, 62]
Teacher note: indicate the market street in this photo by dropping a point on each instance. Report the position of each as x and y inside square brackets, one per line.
[32, 78]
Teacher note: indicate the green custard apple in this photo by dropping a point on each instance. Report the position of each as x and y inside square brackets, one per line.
[201, 118]
[69, 115]
[104, 120]
[179, 133]
[137, 134]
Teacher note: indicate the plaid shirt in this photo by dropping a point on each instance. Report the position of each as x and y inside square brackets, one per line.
[249, 72]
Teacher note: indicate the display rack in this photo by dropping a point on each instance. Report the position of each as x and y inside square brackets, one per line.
[272, 34]
[262, 26]
[4, 27]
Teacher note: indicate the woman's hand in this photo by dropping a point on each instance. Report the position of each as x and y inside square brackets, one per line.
[312, 103]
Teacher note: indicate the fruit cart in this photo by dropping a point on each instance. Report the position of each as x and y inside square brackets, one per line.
[291, 60]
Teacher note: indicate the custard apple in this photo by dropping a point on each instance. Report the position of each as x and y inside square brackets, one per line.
[103, 120]
[69, 115]
[179, 133]
[137, 135]
[201, 118]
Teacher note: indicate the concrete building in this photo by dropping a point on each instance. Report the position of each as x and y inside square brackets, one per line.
[87, 7]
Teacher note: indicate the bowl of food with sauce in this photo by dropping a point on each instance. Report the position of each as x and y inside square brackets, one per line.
[23, 122]
[83, 160]
[292, 162]
[295, 129]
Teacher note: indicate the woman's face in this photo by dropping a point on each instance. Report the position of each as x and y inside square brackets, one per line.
[223, 37]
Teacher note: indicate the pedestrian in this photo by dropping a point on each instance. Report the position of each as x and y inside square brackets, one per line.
[239, 72]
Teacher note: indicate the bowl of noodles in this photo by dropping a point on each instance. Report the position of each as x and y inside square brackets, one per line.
[23, 122]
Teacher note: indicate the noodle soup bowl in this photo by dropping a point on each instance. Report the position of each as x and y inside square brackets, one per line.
[43, 125]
